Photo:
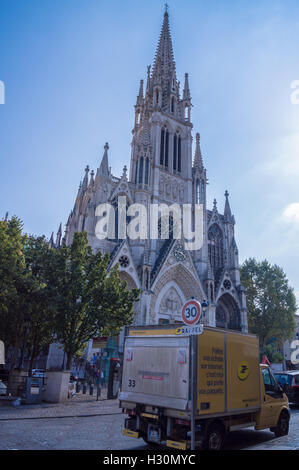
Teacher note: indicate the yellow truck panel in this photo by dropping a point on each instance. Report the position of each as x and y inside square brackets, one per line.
[228, 372]
[211, 373]
[243, 390]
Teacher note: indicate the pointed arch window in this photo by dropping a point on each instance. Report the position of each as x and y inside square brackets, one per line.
[172, 104]
[136, 172]
[157, 96]
[142, 171]
[140, 180]
[203, 192]
[146, 174]
[197, 191]
[215, 242]
[177, 153]
[200, 191]
[164, 147]
[175, 144]
[186, 113]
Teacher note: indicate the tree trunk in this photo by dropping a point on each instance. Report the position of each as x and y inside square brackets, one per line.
[68, 361]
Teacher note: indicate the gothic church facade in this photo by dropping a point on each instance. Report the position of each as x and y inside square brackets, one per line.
[165, 169]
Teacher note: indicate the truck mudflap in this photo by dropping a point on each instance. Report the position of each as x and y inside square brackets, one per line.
[177, 445]
[129, 433]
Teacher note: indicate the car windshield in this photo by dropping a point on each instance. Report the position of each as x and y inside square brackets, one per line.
[283, 379]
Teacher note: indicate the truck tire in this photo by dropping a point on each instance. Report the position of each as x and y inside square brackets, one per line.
[152, 444]
[282, 428]
[214, 437]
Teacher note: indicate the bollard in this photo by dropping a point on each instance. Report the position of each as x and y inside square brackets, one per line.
[84, 388]
[78, 387]
[91, 389]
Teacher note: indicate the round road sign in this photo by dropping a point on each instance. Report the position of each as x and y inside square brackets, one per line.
[191, 312]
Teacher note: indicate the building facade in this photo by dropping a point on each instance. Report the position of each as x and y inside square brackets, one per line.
[166, 168]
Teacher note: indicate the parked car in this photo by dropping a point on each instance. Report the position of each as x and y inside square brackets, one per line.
[290, 380]
[2, 388]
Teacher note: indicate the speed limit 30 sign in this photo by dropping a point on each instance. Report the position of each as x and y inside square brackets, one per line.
[191, 313]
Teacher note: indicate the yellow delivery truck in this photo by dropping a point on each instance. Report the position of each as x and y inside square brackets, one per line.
[189, 391]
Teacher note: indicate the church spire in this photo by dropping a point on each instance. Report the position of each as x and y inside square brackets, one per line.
[164, 66]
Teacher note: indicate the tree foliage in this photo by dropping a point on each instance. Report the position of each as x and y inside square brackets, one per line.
[90, 301]
[13, 284]
[271, 302]
[40, 331]
[26, 309]
[66, 295]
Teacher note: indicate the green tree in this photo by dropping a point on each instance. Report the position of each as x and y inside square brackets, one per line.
[13, 286]
[40, 325]
[272, 354]
[90, 301]
[27, 306]
[271, 302]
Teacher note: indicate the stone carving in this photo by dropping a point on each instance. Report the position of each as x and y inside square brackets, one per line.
[171, 304]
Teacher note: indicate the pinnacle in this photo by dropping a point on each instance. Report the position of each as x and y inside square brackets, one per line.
[198, 162]
[227, 211]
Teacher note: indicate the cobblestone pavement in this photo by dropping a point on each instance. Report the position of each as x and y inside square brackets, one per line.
[80, 405]
[85, 424]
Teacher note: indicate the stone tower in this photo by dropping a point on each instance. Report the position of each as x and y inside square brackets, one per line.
[165, 170]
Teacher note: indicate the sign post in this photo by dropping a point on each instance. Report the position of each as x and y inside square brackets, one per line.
[2, 353]
[191, 315]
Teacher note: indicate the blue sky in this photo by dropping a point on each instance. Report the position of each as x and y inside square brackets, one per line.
[72, 68]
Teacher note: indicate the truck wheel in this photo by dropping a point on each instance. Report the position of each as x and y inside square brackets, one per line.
[214, 438]
[282, 429]
[152, 444]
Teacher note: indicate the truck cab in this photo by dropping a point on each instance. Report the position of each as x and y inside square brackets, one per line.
[274, 412]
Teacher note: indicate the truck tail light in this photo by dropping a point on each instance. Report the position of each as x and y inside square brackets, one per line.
[182, 356]
[129, 354]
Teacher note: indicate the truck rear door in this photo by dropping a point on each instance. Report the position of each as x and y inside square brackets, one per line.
[156, 371]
